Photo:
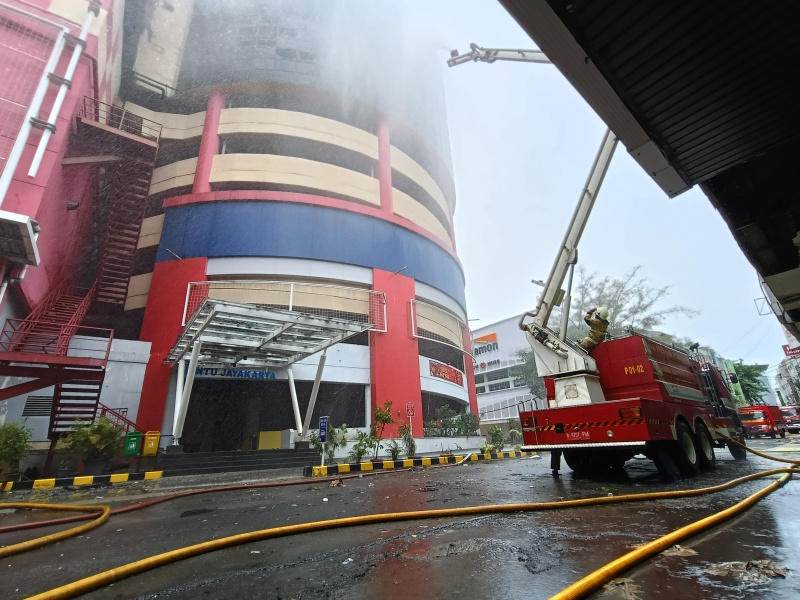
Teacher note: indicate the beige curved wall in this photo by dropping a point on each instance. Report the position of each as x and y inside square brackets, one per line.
[174, 127]
[406, 165]
[290, 170]
[297, 124]
[173, 175]
[408, 208]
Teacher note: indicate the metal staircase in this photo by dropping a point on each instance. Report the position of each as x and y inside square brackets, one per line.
[126, 210]
[76, 399]
[125, 145]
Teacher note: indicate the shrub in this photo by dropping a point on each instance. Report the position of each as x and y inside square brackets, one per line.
[336, 440]
[497, 438]
[15, 443]
[409, 444]
[364, 443]
[394, 450]
[93, 441]
[468, 424]
[383, 417]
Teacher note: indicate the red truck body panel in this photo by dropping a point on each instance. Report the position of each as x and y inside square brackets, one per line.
[647, 386]
[762, 420]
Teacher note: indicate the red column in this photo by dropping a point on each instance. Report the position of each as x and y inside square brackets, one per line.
[394, 355]
[469, 371]
[385, 167]
[161, 327]
[209, 143]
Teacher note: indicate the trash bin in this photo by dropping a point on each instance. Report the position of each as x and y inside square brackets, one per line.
[150, 445]
[132, 442]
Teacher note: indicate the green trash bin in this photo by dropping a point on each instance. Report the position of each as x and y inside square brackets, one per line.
[133, 441]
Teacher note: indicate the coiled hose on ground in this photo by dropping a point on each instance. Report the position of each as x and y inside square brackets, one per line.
[577, 590]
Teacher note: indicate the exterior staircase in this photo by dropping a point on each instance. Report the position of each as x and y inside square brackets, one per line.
[75, 399]
[126, 210]
[196, 463]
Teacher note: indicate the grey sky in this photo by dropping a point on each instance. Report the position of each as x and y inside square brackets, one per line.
[523, 141]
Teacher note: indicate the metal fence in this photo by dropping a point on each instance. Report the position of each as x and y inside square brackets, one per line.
[26, 44]
[53, 339]
[433, 323]
[329, 301]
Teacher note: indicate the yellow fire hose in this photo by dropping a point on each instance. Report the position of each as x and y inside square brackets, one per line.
[578, 590]
[103, 509]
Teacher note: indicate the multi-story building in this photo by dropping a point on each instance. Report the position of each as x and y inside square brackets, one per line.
[240, 189]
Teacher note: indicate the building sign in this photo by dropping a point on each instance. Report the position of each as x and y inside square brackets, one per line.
[485, 343]
[233, 373]
[447, 372]
[791, 352]
[409, 409]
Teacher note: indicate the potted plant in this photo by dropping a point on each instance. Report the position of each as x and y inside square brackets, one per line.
[15, 444]
[96, 443]
[394, 450]
[382, 418]
[409, 444]
[336, 439]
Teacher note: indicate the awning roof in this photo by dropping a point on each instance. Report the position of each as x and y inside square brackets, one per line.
[251, 336]
[699, 93]
[18, 238]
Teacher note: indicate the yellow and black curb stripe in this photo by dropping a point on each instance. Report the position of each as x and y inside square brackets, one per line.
[42, 484]
[388, 465]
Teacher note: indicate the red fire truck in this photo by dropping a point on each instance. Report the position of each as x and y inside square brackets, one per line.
[763, 419]
[627, 396]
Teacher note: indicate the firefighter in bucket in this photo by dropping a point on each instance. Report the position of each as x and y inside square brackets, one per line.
[597, 320]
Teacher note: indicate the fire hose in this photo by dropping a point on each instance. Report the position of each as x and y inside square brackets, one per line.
[577, 590]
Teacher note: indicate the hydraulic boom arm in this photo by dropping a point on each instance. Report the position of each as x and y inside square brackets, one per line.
[489, 55]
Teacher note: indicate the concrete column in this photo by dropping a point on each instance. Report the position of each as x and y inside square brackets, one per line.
[209, 143]
[385, 167]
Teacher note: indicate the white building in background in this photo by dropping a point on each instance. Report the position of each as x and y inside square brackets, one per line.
[789, 370]
[495, 350]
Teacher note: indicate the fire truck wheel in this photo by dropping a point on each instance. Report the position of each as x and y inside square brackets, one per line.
[686, 455]
[576, 460]
[737, 451]
[783, 434]
[708, 461]
[772, 434]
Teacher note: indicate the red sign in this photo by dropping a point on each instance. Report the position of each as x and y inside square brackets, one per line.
[447, 372]
[791, 352]
[409, 409]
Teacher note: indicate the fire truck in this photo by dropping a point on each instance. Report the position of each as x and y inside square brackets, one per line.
[629, 395]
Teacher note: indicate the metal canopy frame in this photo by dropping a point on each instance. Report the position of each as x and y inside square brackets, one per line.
[233, 334]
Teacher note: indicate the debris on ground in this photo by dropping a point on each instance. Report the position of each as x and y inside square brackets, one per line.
[348, 561]
[337, 483]
[677, 550]
[752, 571]
[623, 589]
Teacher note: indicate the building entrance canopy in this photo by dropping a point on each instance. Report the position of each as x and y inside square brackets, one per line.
[243, 335]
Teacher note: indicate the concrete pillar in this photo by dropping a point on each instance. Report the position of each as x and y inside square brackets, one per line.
[209, 143]
[385, 167]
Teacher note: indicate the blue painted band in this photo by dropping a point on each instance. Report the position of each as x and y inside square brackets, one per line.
[290, 230]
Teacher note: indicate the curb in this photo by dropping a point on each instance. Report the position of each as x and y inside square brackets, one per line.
[387, 465]
[42, 484]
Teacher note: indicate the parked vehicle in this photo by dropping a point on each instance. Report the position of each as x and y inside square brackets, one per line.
[761, 419]
[792, 416]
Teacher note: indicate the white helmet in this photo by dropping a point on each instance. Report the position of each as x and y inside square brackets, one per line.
[602, 312]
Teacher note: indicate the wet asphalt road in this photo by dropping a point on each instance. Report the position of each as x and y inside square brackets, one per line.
[530, 556]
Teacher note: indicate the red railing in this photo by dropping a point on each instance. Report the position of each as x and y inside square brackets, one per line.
[119, 118]
[41, 337]
[119, 417]
[70, 329]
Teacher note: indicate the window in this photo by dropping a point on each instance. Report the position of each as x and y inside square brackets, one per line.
[520, 382]
[480, 389]
[502, 385]
[495, 375]
[480, 378]
[38, 406]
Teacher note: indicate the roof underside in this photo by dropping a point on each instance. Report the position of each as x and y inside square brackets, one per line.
[709, 86]
[242, 335]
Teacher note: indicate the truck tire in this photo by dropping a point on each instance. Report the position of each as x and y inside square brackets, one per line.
[783, 433]
[576, 460]
[706, 456]
[772, 434]
[687, 457]
[737, 451]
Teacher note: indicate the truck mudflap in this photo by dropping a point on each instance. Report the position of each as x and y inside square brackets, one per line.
[584, 445]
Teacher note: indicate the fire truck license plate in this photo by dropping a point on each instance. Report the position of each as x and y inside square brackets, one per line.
[577, 435]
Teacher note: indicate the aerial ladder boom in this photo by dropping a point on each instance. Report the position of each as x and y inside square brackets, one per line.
[573, 371]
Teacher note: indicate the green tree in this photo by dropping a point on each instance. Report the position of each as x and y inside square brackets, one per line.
[526, 370]
[631, 302]
[749, 377]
